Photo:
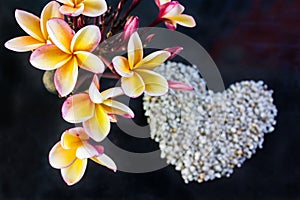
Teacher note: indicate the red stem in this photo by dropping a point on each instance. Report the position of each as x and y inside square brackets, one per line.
[131, 8]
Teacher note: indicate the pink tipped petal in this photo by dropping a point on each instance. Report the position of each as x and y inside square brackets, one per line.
[86, 150]
[153, 60]
[96, 81]
[155, 84]
[157, 2]
[121, 66]
[99, 148]
[94, 94]
[71, 11]
[105, 161]
[173, 10]
[161, 2]
[74, 172]
[184, 20]
[86, 39]
[112, 118]
[112, 92]
[49, 57]
[67, 2]
[65, 78]
[60, 157]
[131, 26]
[49, 11]
[115, 107]
[171, 25]
[60, 33]
[98, 126]
[174, 51]
[90, 62]
[176, 85]
[78, 108]
[30, 24]
[135, 50]
[133, 86]
[23, 44]
[94, 8]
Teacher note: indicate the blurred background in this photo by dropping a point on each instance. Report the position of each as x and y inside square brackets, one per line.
[249, 39]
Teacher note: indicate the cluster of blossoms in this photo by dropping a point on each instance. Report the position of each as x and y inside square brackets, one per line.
[63, 39]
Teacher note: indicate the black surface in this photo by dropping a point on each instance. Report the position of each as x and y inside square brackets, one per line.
[246, 39]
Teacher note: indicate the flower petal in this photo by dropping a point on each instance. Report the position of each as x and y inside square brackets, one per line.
[49, 57]
[130, 26]
[94, 94]
[65, 77]
[105, 161]
[49, 11]
[94, 8]
[171, 25]
[23, 44]
[153, 60]
[79, 1]
[184, 20]
[30, 24]
[60, 34]
[73, 138]
[86, 150]
[135, 50]
[121, 66]
[115, 107]
[133, 86]
[177, 85]
[67, 2]
[174, 51]
[78, 108]
[71, 10]
[86, 39]
[112, 92]
[155, 84]
[90, 62]
[112, 118]
[96, 81]
[173, 8]
[74, 172]
[98, 126]
[60, 157]
[161, 2]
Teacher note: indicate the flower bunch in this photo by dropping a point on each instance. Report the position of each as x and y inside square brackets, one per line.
[64, 39]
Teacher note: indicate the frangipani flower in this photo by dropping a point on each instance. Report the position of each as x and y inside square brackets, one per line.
[136, 71]
[68, 51]
[71, 154]
[171, 13]
[90, 8]
[95, 109]
[34, 27]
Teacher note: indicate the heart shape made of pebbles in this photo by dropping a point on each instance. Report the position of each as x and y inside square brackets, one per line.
[206, 134]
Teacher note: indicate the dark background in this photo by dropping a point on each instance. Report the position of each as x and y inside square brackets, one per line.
[257, 39]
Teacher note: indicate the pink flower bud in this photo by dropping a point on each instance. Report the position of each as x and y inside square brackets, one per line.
[174, 51]
[131, 26]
